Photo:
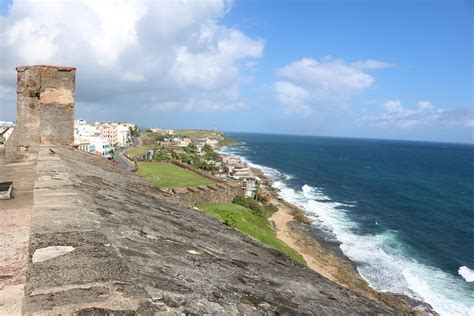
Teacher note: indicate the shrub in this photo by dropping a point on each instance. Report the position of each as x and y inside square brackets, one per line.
[230, 221]
[262, 197]
[249, 203]
[240, 200]
[270, 209]
[300, 216]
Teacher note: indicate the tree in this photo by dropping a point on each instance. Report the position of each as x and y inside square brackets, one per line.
[209, 153]
[134, 131]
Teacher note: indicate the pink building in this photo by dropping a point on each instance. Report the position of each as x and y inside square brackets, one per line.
[110, 133]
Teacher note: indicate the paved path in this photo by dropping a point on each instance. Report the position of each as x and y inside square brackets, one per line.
[15, 215]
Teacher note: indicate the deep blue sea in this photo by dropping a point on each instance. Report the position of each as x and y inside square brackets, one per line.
[403, 211]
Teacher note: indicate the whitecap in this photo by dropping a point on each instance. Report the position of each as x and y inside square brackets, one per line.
[466, 273]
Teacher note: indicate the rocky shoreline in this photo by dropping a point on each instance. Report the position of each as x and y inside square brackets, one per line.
[326, 258]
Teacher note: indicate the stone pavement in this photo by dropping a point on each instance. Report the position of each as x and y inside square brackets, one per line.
[15, 218]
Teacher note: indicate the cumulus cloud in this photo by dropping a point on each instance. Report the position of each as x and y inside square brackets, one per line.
[424, 114]
[316, 83]
[291, 94]
[162, 52]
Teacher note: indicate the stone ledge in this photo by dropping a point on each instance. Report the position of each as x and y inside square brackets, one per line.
[59, 68]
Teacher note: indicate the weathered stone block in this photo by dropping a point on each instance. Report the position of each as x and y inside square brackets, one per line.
[45, 110]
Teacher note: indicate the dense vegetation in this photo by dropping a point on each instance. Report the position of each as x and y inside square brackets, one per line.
[250, 223]
[134, 131]
[169, 175]
[206, 160]
[258, 209]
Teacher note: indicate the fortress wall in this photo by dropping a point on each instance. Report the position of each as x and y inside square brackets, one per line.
[45, 110]
[211, 196]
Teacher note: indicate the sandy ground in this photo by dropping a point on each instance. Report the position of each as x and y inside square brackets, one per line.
[289, 236]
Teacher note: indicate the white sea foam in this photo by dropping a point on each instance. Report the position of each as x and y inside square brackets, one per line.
[380, 258]
[466, 273]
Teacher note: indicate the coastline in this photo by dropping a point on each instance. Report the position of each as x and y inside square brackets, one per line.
[326, 258]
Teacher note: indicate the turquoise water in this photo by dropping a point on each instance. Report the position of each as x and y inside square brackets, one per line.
[403, 211]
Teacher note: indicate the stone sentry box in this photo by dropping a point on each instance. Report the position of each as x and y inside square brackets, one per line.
[45, 110]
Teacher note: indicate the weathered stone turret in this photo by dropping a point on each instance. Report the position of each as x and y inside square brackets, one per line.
[45, 110]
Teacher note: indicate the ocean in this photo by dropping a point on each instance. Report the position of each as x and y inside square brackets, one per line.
[403, 211]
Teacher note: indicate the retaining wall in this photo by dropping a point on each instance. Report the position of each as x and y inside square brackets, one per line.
[203, 194]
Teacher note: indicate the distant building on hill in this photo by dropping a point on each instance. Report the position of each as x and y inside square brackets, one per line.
[167, 132]
[7, 124]
[230, 160]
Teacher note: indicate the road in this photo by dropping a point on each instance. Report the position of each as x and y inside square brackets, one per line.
[118, 158]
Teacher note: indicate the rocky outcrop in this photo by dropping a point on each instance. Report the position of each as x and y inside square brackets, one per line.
[125, 246]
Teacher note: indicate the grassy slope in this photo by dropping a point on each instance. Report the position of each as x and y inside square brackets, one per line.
[251, 224]
[192, 133]
[227, 141]
[137, 151]
[169, 175]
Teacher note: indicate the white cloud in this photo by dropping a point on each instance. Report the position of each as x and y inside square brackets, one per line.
[327, 82]
[293, 96]
[423, 115]
[393, 106]
[371, 64]
[163, 52]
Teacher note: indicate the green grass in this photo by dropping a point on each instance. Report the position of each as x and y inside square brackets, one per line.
[137, 151]
[169, 175]
[227, 141]
[256, 226]
[193, 133]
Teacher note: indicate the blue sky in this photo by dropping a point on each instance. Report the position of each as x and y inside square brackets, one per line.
[385, 69]
[429, 41]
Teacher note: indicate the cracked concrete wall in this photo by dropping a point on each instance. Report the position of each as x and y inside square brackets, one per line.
[45, 110]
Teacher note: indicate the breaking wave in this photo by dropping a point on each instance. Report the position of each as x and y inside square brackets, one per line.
[466, 273]
[380, 258]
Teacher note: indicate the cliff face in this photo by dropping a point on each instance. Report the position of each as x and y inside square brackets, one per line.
[102, 239]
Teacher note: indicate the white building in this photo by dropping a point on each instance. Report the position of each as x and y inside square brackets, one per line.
[84, 132]
[7, 124]
[169, 132]
[102, 146]
[85, 145]
[124, 137]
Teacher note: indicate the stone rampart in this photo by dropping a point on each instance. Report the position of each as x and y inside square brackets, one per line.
[203, 194]
[45, 110]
